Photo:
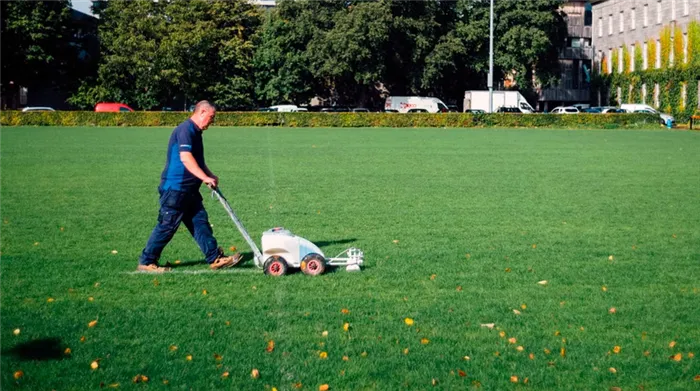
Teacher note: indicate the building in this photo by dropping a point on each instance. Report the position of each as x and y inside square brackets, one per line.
[637, 35]
[575, 59]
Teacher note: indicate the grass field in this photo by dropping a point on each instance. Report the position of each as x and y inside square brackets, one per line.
[458, 227]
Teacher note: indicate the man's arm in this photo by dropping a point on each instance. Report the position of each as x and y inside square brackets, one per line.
[191, 165]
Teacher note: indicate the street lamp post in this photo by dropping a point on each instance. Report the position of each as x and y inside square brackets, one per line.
[490, 78]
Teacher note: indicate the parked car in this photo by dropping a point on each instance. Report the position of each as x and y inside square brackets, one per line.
[593, 110]
[390, 111]
[112, 107]
[475, 111]
[509, 110]
[417, 111]
[632, 108]
[266, 110]
[288, 108]
[36, 108]
[452, 108]
[565, 110]
[613, 110]
[360, 110]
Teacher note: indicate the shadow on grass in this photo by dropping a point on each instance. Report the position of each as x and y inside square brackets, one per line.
[39, 350]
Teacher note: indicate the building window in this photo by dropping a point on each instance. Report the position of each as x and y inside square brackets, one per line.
[658, 54]
[610, 24]
[646, 15]
[622, 21]
[656, 95]
[658, 12]
[610, 60]
[645, 53]
[685, 48]
[600, 26]
[632, 58]
[644, 93]
[619, 96]
[620, 61]
[685, 8]
[671, 54]
[588, 14]
[673, 9]
[684, 94]
[633, 19]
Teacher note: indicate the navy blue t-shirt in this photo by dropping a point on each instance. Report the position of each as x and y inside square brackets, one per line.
[187, 137]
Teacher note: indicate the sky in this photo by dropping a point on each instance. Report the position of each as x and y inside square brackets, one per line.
[82, 6]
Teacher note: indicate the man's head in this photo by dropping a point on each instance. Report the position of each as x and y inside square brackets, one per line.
[204, 113]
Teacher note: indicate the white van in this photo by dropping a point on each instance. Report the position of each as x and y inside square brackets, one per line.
[404, 104]
[288, 109]
[640, 108]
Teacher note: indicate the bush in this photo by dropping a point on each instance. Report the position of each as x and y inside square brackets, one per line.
[390, 120]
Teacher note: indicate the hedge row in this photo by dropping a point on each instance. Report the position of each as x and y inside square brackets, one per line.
[146, 118]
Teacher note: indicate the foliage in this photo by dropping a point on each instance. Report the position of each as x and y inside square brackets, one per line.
[651, 54]
[161, 53]
[36, 49]
[638, 57]
[666, 47]
[626, 63]
[87, 118]
[678, 58]
[615, 62]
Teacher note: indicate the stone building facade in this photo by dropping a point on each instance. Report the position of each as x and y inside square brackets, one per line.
[620, 25]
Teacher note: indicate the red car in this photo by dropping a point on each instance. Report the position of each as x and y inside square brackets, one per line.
[112, 107]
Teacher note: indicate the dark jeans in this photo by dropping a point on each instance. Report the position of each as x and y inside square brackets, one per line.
[180, 207]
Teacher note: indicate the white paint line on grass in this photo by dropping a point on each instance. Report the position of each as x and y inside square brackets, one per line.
[199, 271]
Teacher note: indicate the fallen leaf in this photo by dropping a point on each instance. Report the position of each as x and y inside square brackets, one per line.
[36, 243]
[166, 382]
[204, 292]
[217, 357]
[507, 270]
[67, 352]
[562, 352]
[691, 354]
[502, 334]
[424, 341]
[232, 248]
[395, 241]
[520, 348]
[113, 385]
[408, 321]
[461, 373]
[345, 311]
[297, 385]
[82, 338]
[615, 389]
[531, 356]
[604, 288]
[516, 312]
[50, 300]
[173, 348]
[432, 276]
[91, 298]
[468, 255]
[363, 354]
[523, 306]
[140, 379]
[255, 373]
[323, 355]
[543, 282]
[677, 357]
[323, 387]
[512, 340]
[114, 251]
[346, 326]
[92, 323]
[188, 357]
[177, 261]
[612, 370]
[612, 310]
[346, 358]
[459, 288]
[270, 346]
[94, 365]
[647, 353]
[405, 351]
[16, 332]
[324, 333]
[534, 246]
[672, 344]
[225, 374]
[18, 375]
[697, 378]
[547, 351]
[488, 325]
[434, 382]
[513, 379]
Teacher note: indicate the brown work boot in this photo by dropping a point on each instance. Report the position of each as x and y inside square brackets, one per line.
[223, 261]
[152, 268]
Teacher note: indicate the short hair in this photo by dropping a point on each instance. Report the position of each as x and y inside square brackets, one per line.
[203, 104]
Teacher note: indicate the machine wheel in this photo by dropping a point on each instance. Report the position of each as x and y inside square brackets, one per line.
[313, 264]
[275, 266]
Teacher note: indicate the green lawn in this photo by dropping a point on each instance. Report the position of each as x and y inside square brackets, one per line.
[458, 227]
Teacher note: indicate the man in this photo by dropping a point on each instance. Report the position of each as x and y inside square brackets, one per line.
[180, 201]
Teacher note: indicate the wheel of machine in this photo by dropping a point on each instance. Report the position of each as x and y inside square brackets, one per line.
[313, 264]
[275, 266]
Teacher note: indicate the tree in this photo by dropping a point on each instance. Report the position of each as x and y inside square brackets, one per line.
[161, 53]
[35, 38]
